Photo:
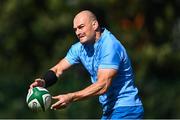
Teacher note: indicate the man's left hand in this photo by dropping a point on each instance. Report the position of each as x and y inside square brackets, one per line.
[63, 101]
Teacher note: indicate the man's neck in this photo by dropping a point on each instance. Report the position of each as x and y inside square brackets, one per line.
[98, 34]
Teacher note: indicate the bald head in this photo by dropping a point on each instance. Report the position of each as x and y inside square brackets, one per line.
[87, 14]
[86, 27]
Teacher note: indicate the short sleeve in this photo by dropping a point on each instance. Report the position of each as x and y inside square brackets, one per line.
[110, 57]
[73, 55]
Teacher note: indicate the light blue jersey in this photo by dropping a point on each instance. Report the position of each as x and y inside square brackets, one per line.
[108, 52]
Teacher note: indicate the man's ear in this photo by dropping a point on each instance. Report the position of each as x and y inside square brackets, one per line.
[95, 24]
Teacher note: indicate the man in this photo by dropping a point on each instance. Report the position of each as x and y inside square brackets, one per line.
[109, 67]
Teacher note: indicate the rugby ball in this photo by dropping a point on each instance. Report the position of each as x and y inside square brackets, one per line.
[38, 99]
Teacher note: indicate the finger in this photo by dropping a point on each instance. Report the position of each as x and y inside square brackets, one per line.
[37, 82]
[63, 105]
[60, 106]
[33, 85]
[56, 105]
[38, 79]
[56, 97]
[29, 89]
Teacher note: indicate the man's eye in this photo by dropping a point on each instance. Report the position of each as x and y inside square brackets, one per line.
[80, 27]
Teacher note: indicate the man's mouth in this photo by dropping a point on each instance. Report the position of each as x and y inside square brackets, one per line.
[81, 36]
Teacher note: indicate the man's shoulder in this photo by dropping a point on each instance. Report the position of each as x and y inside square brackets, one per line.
[77, 45]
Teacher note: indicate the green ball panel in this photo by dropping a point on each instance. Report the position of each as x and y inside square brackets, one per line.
[37, 94]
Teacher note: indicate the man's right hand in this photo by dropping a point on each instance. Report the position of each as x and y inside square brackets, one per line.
[38, 82]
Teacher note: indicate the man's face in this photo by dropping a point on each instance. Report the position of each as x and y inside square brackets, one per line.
[84, 30]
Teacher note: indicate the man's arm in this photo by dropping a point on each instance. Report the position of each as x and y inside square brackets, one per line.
[57, 69]
[100, 87]
[61, 67]
[105, 77]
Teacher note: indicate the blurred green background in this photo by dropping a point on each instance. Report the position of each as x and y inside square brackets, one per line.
[36, 34]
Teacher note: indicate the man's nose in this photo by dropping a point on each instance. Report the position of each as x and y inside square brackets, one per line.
[78, 32]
